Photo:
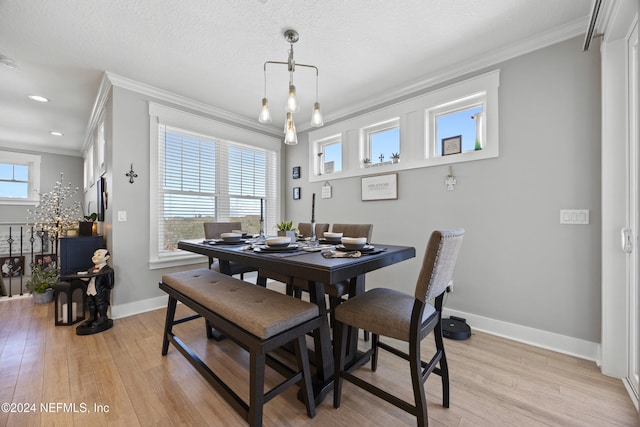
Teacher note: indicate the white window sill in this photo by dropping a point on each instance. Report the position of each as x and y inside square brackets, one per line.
[176, 260]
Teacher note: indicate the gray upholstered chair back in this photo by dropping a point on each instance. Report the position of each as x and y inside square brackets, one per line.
[212, 230]
[304, 228]
[438, 263]
[354, 230]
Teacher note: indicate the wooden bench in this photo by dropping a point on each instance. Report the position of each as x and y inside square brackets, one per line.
[258, 319]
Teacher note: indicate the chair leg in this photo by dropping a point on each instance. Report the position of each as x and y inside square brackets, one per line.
[374, 355]
[444, 366]
[416, 382]
[341, 332]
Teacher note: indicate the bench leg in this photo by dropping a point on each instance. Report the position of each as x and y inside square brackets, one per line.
[256, 388]
[168, 324]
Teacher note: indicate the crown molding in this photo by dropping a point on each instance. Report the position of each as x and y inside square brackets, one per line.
[539, 41]
[38, 149]
[183, 101]
[484, 60]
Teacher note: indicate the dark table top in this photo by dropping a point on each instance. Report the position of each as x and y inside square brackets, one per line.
[304, 265]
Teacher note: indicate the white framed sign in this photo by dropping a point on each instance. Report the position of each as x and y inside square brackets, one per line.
[326, 190]
[380, 187]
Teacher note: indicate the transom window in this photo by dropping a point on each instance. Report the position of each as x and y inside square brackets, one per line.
[330, 155]
[19, 178]
[463, 119]
[409, 134]
[382, 142]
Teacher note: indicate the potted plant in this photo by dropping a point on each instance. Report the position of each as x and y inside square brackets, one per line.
[395, 157]
[85, 228]
[41, 283]
[287, 229]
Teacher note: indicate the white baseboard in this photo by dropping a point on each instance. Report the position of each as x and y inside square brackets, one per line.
[551, 341]
[137, 307]
[536, 337]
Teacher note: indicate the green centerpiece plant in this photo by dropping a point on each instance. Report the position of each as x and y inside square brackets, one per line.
[286, 228]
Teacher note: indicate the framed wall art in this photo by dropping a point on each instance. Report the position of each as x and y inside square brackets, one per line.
[452, 145]
[380, 187]
[296, 172]
[296, 193]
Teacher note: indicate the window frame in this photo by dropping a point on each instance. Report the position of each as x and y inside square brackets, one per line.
[215, 130]
[368, 131]
[417, 139]
[319, 168]
[32, 162]
[456, 106]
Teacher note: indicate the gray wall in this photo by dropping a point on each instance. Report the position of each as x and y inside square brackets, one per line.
[518, 264]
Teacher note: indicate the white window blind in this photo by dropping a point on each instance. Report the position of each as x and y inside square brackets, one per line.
[205, 179]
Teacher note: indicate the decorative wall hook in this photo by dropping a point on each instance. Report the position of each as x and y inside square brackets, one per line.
[450, 182]
[131, 174]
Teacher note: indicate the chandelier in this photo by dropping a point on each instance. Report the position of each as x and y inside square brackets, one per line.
[290, 136]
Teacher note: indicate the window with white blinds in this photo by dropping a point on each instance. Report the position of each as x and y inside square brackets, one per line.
[205, 179]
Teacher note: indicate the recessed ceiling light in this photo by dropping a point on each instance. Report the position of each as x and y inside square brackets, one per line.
[39, 98]
[56, 133]
[8, 62]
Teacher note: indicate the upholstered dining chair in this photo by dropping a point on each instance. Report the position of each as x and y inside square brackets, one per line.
[304, 228]
[390, 313]
[349, 230]
[341, 289]
[354, 230]
[213, 230]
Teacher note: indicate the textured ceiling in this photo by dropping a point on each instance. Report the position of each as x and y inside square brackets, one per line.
[213, 51]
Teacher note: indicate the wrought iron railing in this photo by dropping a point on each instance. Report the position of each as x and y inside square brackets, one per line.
[22, 247]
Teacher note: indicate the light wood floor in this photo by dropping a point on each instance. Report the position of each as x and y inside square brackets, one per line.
[494, 382]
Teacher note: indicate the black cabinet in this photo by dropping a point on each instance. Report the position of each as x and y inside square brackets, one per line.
[76, 253]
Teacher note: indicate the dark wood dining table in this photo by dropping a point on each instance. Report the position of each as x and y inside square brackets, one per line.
[318, 272]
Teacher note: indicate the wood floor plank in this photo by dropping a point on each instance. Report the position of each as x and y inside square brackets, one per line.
[494, 381]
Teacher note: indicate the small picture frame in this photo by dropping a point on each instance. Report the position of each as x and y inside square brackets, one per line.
[452, 145]
[296, 172]
[45, 260]
[296, 193]
[12, 266]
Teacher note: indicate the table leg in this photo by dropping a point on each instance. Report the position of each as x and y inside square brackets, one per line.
[356, 287]
[321, 337]
[323, 346]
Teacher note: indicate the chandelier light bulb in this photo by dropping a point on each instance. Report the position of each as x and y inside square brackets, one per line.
[316, 116]
[265, 115]
[290, 136]
[292, 103]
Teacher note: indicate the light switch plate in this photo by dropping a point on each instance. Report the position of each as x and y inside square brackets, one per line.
[574, 216]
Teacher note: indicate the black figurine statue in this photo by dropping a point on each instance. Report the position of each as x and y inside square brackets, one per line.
[98, 295]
